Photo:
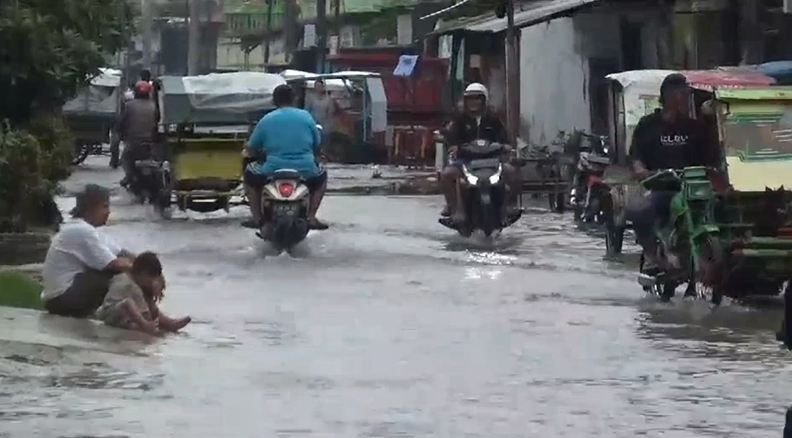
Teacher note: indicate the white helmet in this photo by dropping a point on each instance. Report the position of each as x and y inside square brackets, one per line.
[477, 89]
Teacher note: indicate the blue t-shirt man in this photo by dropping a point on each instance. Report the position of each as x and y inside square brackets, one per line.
[290, 139]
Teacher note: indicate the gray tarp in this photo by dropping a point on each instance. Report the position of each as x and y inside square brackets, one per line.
[100, 97]
[218, 97]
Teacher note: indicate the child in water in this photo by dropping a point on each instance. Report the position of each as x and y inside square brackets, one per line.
[131, 302]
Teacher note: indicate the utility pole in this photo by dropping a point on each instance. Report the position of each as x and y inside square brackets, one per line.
[512, 76]
[146, 9]
[194, 47]
[268, 32]
[290, 28]
[337, 19]
[321, 32]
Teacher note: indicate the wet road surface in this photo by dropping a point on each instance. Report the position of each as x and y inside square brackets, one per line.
[388, 325]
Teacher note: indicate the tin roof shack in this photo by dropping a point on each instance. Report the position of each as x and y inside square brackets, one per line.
[566, 48]
[415, 103]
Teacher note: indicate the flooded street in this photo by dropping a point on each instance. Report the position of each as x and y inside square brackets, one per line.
[388, 325]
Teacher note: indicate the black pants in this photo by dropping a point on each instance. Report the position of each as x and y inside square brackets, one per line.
[85, 295]
[647, 211]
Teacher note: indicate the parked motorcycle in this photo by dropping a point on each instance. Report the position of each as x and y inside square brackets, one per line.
[590, 195]
[481, 191]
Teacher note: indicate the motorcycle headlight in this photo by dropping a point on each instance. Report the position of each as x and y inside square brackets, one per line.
[471, 179]
[495, 177]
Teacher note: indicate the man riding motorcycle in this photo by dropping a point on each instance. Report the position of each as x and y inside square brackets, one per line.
[286, 138]
[137, 128]
[667, 139]
[474, 123]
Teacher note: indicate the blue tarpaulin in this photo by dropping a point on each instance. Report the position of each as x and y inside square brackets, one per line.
[406, 66]
[781, 71]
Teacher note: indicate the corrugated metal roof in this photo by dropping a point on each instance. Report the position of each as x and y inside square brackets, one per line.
[530, 13]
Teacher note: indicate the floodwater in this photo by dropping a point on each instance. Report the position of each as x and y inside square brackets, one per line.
[388, 325]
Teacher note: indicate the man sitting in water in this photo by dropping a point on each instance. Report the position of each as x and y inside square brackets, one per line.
[132, 301]
[286, 138]
[81, 260]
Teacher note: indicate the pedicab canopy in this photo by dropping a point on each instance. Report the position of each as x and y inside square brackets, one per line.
[100, 97]
[640, 91]
[756, 132]
[217, 98]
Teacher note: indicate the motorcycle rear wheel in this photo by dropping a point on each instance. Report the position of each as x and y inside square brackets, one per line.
[81, 152]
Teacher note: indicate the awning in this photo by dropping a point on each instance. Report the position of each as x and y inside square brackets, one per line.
[528, 14]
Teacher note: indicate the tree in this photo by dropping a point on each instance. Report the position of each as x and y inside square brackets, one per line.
[50, 49]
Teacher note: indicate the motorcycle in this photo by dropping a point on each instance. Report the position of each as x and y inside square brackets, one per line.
[150, 178]
[590, 195]
[481, 191]
[284, 205]
[689, 241]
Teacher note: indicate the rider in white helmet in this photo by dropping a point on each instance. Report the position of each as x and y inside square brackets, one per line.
[473, 123]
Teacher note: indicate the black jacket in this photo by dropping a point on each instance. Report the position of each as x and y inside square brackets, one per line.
[465, 129]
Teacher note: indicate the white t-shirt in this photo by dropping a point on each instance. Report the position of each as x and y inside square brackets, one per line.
[78, 247]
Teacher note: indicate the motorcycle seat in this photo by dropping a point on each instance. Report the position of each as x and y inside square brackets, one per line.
[286, 174]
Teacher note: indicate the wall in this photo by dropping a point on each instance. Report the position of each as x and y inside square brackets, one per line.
[563, 64]
[231, 56]
[554, 73]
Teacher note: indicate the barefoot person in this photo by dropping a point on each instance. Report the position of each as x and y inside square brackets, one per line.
[133, 298]
[81, 260]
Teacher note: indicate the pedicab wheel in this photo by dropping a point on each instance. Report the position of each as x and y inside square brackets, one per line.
[557, 202]
[163, 200]
[614, 240]
[785, 334]
[81, 152]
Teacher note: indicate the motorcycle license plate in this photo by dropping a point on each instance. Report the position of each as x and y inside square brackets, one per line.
[286, 209]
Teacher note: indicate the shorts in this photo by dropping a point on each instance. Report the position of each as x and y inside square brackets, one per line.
[83, 297]
[256, 180]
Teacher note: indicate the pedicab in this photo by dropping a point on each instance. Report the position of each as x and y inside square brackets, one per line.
[633, 95]
[205, 123]
[91, 114]
[730, 229]
[362, 113]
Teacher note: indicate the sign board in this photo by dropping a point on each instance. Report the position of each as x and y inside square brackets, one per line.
[333, 45]
[309, 36]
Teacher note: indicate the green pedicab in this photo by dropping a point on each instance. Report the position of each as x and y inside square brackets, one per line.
[732, 236]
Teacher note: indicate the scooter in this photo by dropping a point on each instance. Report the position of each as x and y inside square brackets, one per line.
[482, 192]
[284, 206]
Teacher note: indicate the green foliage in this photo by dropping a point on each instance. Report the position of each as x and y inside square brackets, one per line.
[22, 186]
[19, 290]
[51, 48]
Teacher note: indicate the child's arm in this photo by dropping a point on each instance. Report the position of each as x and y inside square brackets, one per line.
[133, 313]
